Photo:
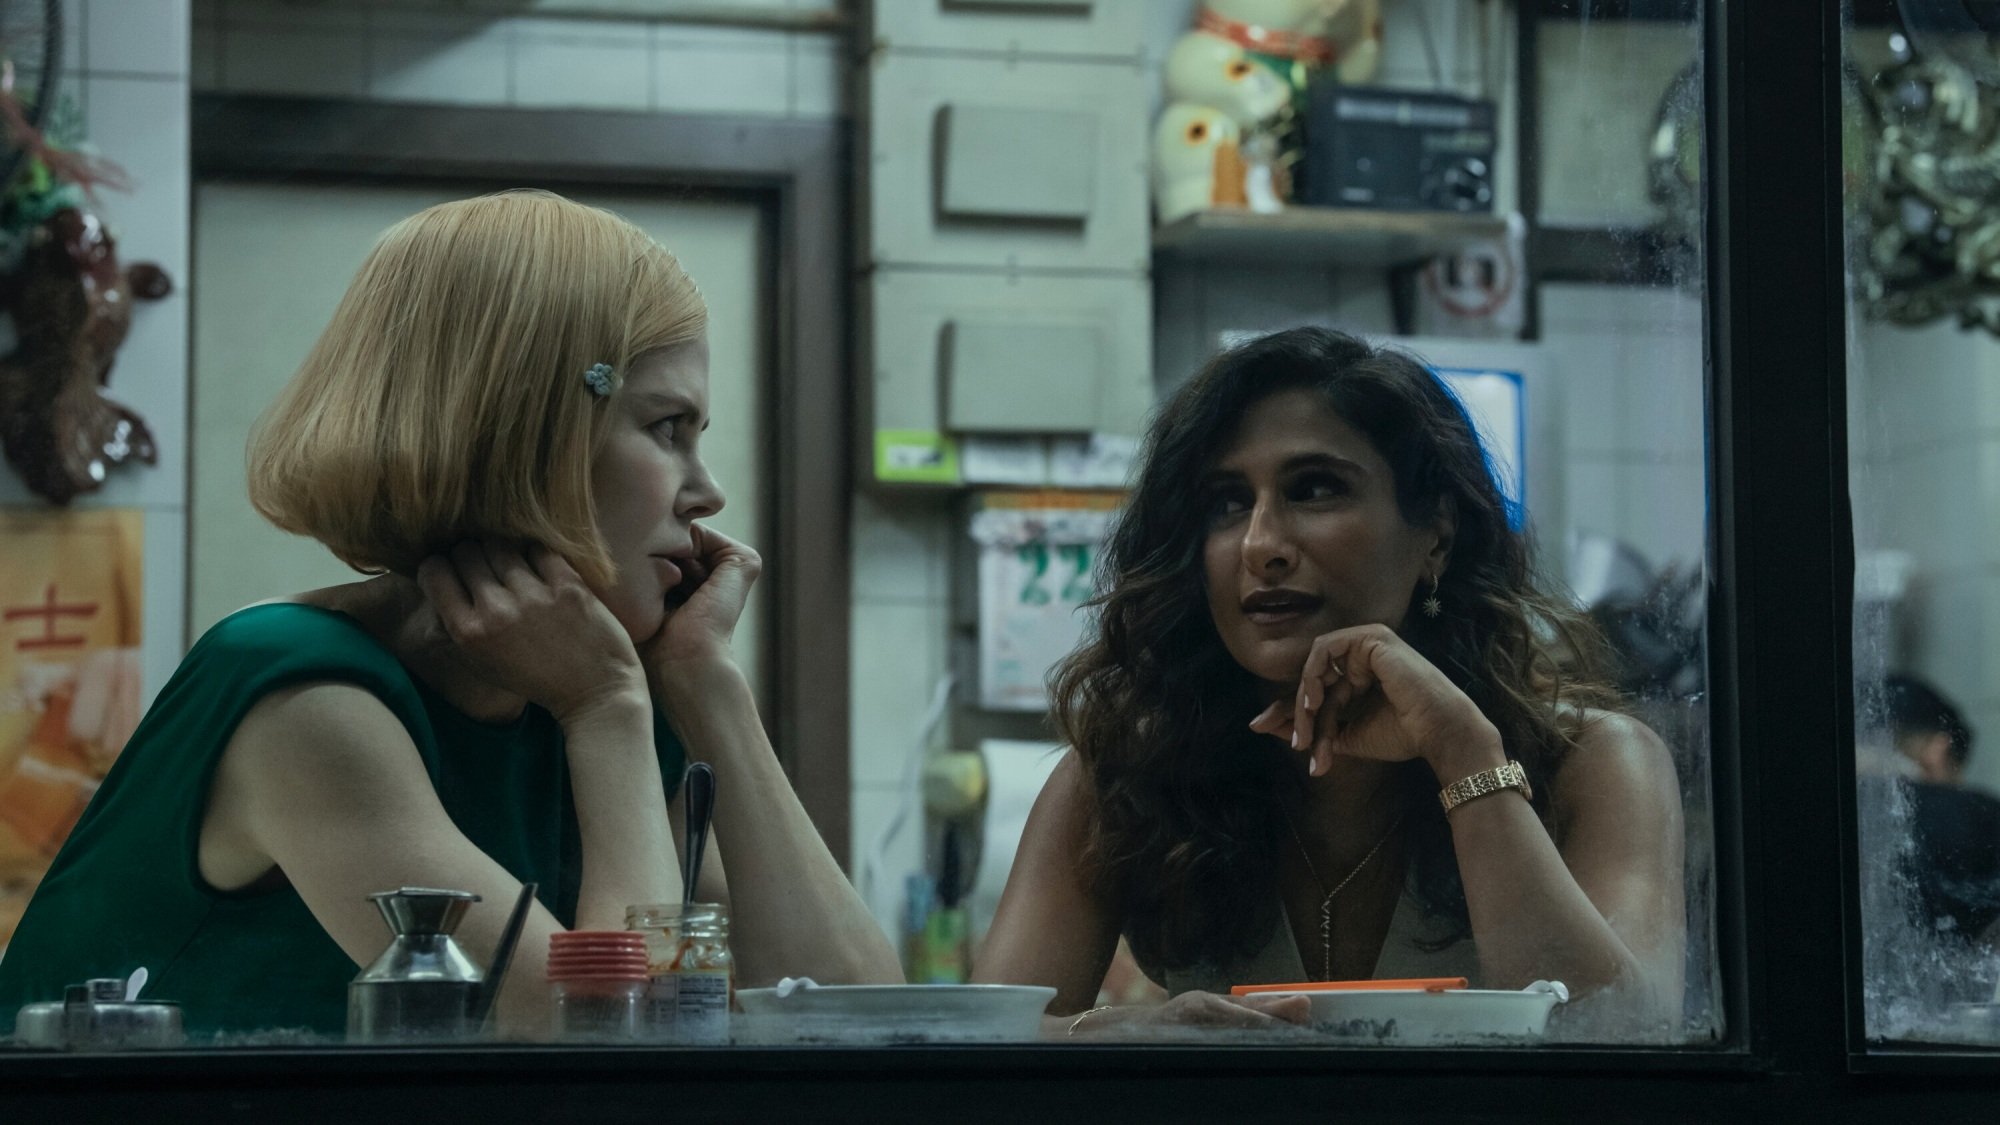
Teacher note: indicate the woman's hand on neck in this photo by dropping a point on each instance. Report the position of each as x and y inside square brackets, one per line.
[394, 609]
[403, 618]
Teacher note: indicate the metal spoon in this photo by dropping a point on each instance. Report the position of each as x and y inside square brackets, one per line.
[699, 782]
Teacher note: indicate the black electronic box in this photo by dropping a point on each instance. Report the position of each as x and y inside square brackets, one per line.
[1396, 150]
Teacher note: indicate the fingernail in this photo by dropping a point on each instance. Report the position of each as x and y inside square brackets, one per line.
[1295, 739]
[1318, 767]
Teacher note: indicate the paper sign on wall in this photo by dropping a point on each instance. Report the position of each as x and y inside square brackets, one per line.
[70, 678]
[1037, 558]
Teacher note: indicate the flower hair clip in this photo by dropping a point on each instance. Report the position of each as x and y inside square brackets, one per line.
[602, 379]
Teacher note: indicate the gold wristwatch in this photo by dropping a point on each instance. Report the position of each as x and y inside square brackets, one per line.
[1509, 776]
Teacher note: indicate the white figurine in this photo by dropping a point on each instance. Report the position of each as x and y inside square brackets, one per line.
[1204, 69]
[1247, 63]
[1197, 162]
[1344, 33]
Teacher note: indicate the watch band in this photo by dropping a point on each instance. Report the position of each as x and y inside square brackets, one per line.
[1509, 776]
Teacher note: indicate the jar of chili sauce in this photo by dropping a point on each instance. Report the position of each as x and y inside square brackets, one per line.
[692, 976]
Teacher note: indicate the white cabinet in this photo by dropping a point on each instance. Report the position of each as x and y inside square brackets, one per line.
[1077, 28]
[1005, 163]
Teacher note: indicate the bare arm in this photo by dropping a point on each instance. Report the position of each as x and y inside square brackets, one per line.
[1052, 929]
[1603, 913]
[1049, 928]
[323, 783]
[792, 910]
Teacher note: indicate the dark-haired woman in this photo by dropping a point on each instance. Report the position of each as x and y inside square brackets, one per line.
[1318, 631]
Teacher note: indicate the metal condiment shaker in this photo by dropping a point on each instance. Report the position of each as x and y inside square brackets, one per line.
[423, 987]
[95, 1016]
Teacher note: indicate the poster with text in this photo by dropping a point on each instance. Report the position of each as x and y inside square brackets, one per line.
[1037, 561]
[70, 680]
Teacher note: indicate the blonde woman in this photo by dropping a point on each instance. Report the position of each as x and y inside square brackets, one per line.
[501, 424]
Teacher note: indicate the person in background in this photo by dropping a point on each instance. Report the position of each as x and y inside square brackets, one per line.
[1952, 864]
[501, 424]
[1927, 729]
[1328, 728]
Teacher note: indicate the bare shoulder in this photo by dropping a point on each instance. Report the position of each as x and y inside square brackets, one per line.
[359, 600]
[1059, 828]
[327, 735]
[1618, 761]
[304, 759]
[1068, 779]
[1065, 801]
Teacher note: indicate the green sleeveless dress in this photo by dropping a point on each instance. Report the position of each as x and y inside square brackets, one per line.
[125, 891]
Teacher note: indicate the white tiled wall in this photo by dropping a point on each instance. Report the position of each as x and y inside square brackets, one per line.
[438, 56]
[897, 653]
[128, 71]
[1924, 429]
[1629, 364]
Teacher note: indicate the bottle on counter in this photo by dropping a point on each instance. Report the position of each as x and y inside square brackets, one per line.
[946, 940]
[692, 985]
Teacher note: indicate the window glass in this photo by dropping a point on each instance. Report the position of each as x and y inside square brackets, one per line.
[1921, 358]
[1275, 555]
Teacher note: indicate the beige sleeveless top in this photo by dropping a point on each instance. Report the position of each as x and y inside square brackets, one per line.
[1278, 961]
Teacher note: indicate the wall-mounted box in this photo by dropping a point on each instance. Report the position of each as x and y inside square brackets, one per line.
[949, 355]
[1032, 371]
[995, 162]
[999, 162]
[1101, 29]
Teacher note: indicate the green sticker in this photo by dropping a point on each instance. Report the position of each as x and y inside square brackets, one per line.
[924, 456]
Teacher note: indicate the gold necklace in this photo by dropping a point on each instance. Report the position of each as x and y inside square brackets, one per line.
[1326, 903]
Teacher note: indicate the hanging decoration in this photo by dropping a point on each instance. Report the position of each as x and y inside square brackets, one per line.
[1922, 151]
[62, 288]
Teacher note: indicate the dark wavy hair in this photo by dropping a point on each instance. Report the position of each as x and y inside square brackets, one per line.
[1190, 805]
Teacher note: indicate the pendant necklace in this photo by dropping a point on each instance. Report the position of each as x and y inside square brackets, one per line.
[1326, 903]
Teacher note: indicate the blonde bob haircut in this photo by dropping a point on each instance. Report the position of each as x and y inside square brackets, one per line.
[447, 398]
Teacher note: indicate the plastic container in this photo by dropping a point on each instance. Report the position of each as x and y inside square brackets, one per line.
[1427, 1015]
[692, 975]
[597, 985]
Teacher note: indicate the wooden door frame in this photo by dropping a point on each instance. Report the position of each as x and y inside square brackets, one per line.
[799, 170]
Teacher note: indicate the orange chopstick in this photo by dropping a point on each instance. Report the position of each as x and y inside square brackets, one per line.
[1426, 984]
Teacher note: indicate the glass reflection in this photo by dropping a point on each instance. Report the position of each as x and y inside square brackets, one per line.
[1547, 266]
[502, 422]
[1920, 91]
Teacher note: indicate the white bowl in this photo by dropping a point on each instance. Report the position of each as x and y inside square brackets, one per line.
[894, 1013]
[1414, 1017]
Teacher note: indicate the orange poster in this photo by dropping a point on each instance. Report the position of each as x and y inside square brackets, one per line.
[70, 677]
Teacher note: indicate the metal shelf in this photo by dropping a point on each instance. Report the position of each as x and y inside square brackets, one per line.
[1334, 237]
